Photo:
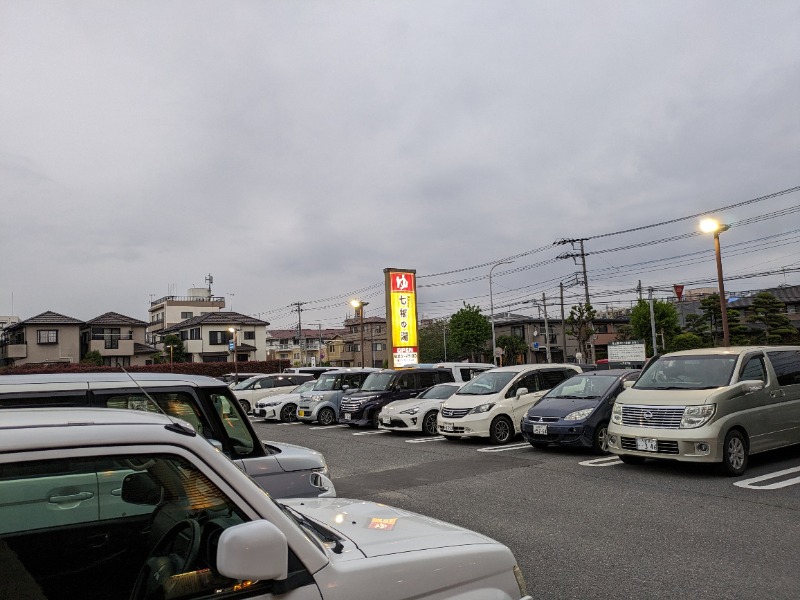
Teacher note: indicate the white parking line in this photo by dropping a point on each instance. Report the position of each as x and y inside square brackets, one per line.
[438, 438]
[748, 483]
[372, 432]
[504, 448]
[293, 423]
[328, 426]
[606, 461]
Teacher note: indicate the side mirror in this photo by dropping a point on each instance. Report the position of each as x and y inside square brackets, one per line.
[345, 387]
[522, 391]
[216, 443]
[627, 384]
[323, 484]
[252, 551]
[751, 385]
[140, 488]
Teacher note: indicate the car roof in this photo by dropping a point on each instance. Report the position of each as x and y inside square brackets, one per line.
[521, 368]
[109, 377]
[605, 372]
[729, 350]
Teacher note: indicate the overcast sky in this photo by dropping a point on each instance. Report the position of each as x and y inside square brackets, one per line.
[295, 149]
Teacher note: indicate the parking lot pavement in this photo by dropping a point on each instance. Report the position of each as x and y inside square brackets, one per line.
[584, 526]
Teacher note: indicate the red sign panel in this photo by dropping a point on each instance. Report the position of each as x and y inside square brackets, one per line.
[402, 282]
[678, 291]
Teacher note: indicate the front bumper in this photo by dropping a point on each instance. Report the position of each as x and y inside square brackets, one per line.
[563, 434]
[690, 445]
[268, 412]
[401, 422]
[466, 426]
[307, 412]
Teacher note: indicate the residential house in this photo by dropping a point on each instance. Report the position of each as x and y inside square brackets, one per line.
[213, 337]
[48, 337]
[168, 311]
[119, 340]
[375, 337]
[789, 295]
[308, 347]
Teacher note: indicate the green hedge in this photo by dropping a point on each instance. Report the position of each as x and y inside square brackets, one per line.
[208, 369]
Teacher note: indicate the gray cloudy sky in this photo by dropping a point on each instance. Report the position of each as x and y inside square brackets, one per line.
[294, 149]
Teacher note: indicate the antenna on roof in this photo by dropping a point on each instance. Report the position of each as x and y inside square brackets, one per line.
[209, 281]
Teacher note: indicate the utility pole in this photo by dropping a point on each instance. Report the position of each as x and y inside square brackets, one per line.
[563, 325]
[299, 310]
[546, 332]
[652, 320]
[582, 256]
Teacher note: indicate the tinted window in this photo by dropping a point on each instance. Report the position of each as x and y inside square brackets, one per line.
[489, 382]
[690, 372]
[407, 382]
[528, 381]
[553, 378]
[444, 376]
[180, 405]
[427, 379]
[754, 370]
[439, 392]
[786, 364]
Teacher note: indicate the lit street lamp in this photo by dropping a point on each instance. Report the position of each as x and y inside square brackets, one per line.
[715, 227]
[491, 305]
[361, 305]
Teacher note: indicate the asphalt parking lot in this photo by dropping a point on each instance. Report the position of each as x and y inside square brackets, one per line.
[583, 526]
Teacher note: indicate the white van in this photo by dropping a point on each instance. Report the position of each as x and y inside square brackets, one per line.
[493, 403]
[710, 405]
[462, 371]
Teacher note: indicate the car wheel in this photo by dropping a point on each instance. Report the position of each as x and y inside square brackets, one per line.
[326, 416]
[539, 445]
[429, 424]
[600, 439]
[734, 454]
[245, 406]
[289, 413]
[501, 430]
[632, 460]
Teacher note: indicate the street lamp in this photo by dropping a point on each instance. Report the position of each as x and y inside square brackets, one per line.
[235, 364]
[715, 227]
[491, 304]
[170, 346]
[361, 305]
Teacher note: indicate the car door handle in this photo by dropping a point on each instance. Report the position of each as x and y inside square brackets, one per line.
[70, 498]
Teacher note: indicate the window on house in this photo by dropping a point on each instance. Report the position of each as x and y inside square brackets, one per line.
[187, 315]
[183, 335]
[353, 328]
[194, 333]
[601, 328]
[219, 338]
[377, 346]
[297, 356]
[47, 336]
[518, 331]
[249, 335]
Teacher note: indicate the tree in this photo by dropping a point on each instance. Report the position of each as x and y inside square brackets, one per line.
[432, 339]
[737, 331]
[470, 330]
[687, 341]
[514, 349]
[769, 311]
[92, 357]
[697, 325]
[666, 319]
[579, 325]
[625, 333]
[178, 354]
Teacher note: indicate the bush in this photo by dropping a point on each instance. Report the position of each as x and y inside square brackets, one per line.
[207, 369]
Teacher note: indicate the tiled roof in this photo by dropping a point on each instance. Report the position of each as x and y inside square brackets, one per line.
[282, 334]
[143, 349]
[356, 320]
[113, 318]
[47, 318]
[216, 318]
[787, 294]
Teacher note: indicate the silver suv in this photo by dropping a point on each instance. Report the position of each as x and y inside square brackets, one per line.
[324, 401]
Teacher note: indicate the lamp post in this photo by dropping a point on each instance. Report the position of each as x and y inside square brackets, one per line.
[235, 364]
[715, 227]
[491, 305]
[360, 305]
[170, 346]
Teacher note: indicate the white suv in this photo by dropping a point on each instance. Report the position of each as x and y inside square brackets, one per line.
[493, 403]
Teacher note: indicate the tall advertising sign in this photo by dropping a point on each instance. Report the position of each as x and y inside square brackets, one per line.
[401, 316]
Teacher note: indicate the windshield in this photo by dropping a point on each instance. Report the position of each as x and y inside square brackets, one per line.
[688, 373]
[326, 382]
[439, 392]
[304, 387]
[378, 382]
[586, 386]
[488, 382]
[246, 384]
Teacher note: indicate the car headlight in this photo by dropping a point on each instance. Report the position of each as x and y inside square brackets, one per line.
[482, 408]
[696, 416]
[579, 415]
[616, 414]
[410, 411]
[273, 403]
[317, 398]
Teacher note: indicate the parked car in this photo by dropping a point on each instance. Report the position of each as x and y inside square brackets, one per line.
[577, 411]
[251, 390]
[323, 402]
[284, 470]
[121, 504]
[417, 414]
[231, 379]
[493, 403]
[382, 387]
[713, 405]
[282, 407]
[315, 371]
[462, 371]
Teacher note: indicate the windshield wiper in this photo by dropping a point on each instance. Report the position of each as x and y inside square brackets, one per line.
[324, 533]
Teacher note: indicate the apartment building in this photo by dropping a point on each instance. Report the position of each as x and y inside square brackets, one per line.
[168, 311]
[217, 336]
[301, 348]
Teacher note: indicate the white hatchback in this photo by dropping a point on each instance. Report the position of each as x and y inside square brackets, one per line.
[282, 407]
[493, 403]
[417, 414]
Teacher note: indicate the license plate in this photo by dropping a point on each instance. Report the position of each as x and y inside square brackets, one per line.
[647, 444]
[346, 416]
[387, 420]
[540, 430]
[447, 427]
[301, 413]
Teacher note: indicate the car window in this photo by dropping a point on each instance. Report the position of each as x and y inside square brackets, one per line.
[286, 381]
[786, 364]
[407, 381]
[529, 381]
[155, 508]
[488, 382]
[427, 379]
[180, 405]
[439, 392]
[241, 442]
[306, 386]
[264, 384]
[754, 370]
[553, 378]
[352, 380]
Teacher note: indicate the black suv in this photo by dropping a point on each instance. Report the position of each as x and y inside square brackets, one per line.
[361, 408]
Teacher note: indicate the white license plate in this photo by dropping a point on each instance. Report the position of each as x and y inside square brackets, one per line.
[647, 444]
[346, 416]
[387, 420]
[540, 430]
[447, 427]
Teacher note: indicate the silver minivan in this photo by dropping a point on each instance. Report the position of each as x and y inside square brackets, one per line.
[710, 405]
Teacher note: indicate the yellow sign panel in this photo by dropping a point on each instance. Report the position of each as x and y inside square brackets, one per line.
[403, 316]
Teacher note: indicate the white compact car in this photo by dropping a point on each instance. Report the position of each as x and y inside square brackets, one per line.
[417, 414]
[124, 504]
[250, 391]
[282, 407]
[493, 403]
